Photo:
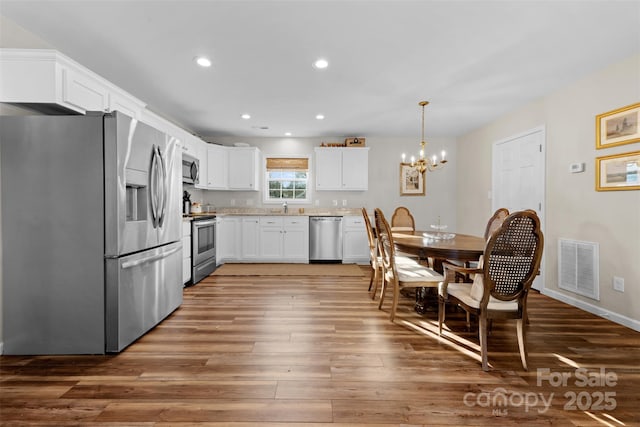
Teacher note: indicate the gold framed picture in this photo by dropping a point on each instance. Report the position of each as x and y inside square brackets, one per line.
[618, 127]
[411, 181]
[618, 172]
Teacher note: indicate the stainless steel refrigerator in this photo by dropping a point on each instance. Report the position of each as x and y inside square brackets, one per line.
[91, 230]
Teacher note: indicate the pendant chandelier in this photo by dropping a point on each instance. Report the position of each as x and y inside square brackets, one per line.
[423, 164]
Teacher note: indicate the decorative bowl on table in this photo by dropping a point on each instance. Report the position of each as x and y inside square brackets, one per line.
[438, 233]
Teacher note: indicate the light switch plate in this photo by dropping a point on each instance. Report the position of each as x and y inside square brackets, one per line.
[576, 167]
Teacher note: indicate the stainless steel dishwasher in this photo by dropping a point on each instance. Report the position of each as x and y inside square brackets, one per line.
[325, 239]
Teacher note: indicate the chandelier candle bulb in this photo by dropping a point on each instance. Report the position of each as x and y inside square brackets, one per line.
[443, 153]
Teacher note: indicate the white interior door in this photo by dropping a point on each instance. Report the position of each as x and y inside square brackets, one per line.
[518, 177]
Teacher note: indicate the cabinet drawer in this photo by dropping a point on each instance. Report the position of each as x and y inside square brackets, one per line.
[296, 221]
[353, 221]
[271, 221]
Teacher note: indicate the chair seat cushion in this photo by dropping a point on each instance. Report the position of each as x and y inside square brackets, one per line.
[462, 291]
[414, 273]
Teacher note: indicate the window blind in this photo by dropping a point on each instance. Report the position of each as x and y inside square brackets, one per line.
[289, 163]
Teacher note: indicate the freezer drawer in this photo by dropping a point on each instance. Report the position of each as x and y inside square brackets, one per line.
[142, 289]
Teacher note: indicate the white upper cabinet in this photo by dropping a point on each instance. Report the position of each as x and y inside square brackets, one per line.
[216, 168]
[244, 163]
[342, 169]
[47, 77]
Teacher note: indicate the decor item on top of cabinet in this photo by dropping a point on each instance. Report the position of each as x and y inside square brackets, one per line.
[618, 127]
[355, 142]
[423, 164]
[618, 172]
[412, 182]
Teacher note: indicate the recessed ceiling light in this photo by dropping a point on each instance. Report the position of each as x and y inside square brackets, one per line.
[246, 116]
[321, 63]
[287, 134]
[203, 62]
[320, 117]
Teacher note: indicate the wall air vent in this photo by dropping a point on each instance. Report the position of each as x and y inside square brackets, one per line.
[578, 267]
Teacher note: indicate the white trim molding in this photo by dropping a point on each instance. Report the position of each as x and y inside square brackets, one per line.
[598, 311]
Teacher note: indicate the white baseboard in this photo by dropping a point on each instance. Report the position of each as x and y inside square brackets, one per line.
[598, 311]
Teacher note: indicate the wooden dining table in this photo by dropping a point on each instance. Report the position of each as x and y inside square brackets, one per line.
[460, 247]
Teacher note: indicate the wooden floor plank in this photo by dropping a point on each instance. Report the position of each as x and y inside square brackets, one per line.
[316, 351]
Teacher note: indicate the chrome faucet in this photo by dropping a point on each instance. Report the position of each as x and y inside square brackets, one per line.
[285, 207]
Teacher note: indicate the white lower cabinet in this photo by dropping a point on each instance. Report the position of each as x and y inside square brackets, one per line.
[263, 239]
[250, 238]
[271, 237]
[355, 243]
[228, 233]
[296, 239]
[284, 239]
[186, 252]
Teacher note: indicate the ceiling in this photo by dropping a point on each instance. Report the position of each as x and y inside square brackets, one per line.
[473, 60]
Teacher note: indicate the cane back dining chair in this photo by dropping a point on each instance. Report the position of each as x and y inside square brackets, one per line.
[492, 225]
[400, 272]
[510, 263]
[402, 220]
[495, 221]
[374, 260]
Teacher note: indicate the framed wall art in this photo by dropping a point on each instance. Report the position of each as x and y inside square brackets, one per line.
[411, 181]
[618, 127]
[618, 172]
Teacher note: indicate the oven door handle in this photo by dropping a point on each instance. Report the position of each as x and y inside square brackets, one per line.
[205, 223]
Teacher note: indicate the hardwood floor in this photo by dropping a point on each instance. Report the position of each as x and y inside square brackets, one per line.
[316, 350]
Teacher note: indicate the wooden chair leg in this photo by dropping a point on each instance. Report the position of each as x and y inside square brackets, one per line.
[394, 304]
[372, 278]
[468, 320]
[375, 285]
[483, 342]
[383, 290]
[522, 342]
[441, 310]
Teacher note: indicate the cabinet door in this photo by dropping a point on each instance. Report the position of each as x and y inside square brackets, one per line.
[82, 90]
[355, 243]
[243, 168]
[296, 239]
[271, 233]
[355, 169]
[328, 169]
[250, 238]
[217, 160]
[227, 240]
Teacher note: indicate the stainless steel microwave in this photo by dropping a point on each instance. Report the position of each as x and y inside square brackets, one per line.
[190, 169]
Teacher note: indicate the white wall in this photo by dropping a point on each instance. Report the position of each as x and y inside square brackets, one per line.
[384, 178]
[574, 209]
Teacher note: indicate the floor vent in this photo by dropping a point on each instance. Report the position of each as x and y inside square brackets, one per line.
[578, 267]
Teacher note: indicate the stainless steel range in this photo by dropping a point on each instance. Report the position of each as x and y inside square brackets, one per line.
[203, 247]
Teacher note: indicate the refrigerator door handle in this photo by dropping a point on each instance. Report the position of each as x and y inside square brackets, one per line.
[153, 187]
[151, 258]
[164, 187]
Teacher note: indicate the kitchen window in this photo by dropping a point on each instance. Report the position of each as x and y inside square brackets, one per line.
[287, 179]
